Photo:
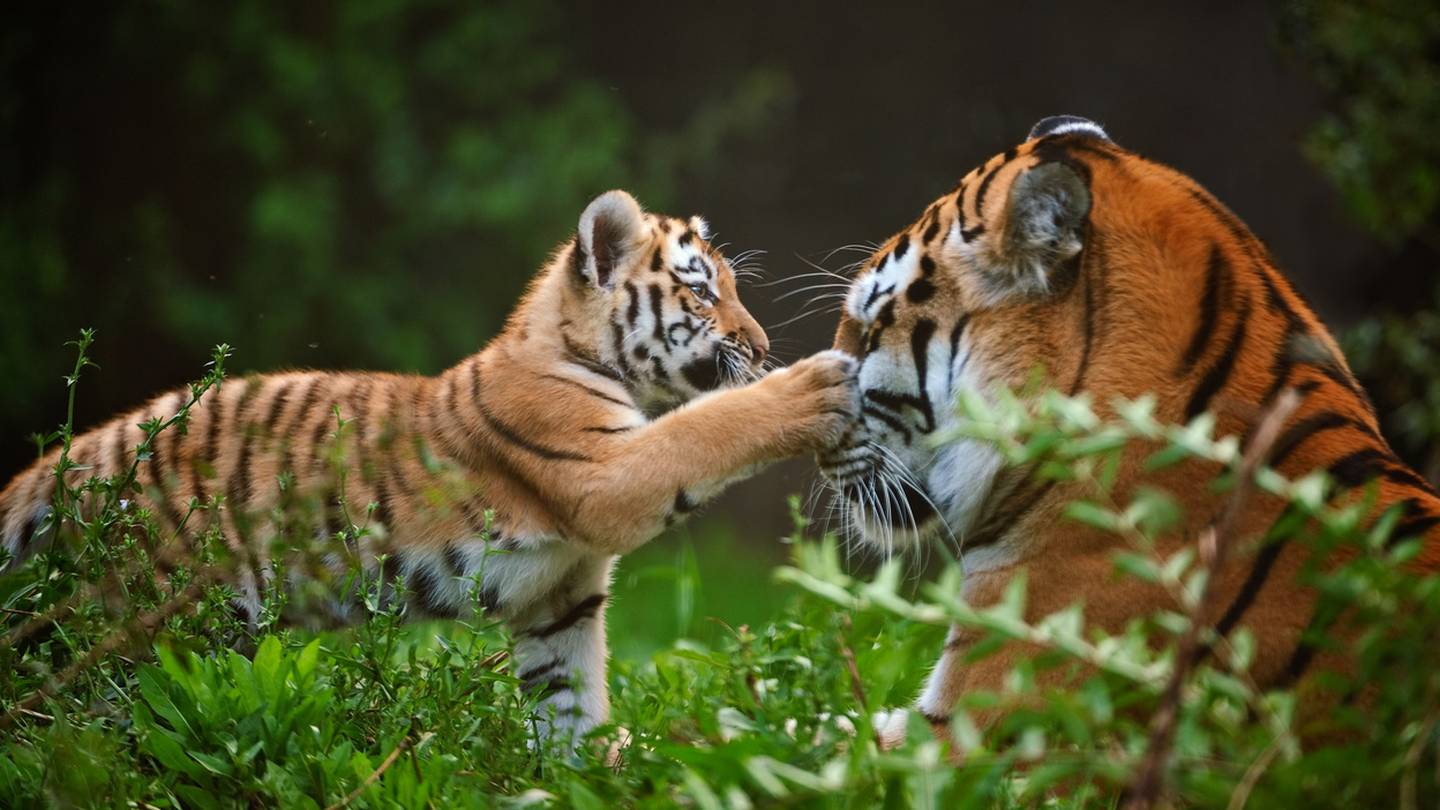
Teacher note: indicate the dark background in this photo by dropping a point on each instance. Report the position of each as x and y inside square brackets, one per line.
[370, 184]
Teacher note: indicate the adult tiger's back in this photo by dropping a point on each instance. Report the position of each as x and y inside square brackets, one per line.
[1116, 277]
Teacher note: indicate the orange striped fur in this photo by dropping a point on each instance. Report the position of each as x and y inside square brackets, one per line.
[1115, 277]
[610, 406]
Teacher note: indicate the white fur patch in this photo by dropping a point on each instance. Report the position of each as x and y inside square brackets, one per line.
[1065, 125]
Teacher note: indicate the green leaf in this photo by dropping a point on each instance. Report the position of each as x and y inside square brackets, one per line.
[1092, 514]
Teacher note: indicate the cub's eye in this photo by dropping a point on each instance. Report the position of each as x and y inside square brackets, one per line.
[702, 292]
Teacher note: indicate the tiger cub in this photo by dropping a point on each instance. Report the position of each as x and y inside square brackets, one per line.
[608, 407]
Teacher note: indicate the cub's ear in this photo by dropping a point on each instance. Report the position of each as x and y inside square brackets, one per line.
[611, 229]
[1043, 227]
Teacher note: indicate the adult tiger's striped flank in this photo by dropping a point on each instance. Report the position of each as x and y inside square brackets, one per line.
[1115, 277]
[609, 406]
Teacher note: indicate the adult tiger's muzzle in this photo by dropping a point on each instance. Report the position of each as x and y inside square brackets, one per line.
[878, 486]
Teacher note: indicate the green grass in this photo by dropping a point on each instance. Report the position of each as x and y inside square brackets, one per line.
[744, 674]
[699, 581]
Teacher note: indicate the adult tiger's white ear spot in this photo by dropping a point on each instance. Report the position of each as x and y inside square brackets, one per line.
[612, 228]
[1065, 125]
[1043, 227]
[700, 227]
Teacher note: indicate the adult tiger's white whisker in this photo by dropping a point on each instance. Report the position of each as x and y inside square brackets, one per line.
[796, 319]
[823, 273]
[859, 247]
[893, 462]
[835, 287]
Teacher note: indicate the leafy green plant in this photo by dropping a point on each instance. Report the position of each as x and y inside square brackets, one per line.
[110, 706]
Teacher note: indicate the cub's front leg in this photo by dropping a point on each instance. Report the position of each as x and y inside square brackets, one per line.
[660, 472]
[560, 653]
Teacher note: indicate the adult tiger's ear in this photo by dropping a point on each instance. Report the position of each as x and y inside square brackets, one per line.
[1043, 227]
[611, 230]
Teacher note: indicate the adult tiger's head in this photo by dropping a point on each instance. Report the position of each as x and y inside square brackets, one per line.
[1069, 257]
[649, 298]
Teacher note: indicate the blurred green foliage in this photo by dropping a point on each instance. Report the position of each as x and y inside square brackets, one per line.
[1379, 65]
[1377, 62]
[366, 183]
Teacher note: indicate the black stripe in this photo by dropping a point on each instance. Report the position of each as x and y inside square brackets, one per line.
[425, 586]
[985, 185]
[587, 361]
[241, 485]
[322, 429]
[252, 388]
[1414, 528]
[1259, 572]
[287, 463]
[1365, 465]
[956, 332]
[920, 351]
[507, 433]
[1091, 259]
[902, 246]
[118, 450]
[1414, 524]
[683, 504]
[455, 559]
[895, 424]
[1216, 277]
[216, 409]
[585, 609]
[1231, 223]
[159, 458]
[632, 311]
[919, 291]
[607, 430]
[1303, 431]
[1358, 467]
[1298, 663]
[532, 675]
[935, 719]
[997, 526]
[272, 415]
[875, 293]
[617, 340]
[1219, 372]
[659, 328]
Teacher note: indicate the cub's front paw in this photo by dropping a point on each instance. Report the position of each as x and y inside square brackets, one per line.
[821, 394]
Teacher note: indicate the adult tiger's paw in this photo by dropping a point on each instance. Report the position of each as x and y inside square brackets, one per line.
[821, 395]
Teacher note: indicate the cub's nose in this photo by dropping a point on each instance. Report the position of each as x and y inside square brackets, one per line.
[758, 342]
[758, 350]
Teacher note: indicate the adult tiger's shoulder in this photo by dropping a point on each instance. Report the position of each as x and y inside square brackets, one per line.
[610, 406]
[1117, 277]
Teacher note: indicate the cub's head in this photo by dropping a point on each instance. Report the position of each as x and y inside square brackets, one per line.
[661, 302]
[1065, 257]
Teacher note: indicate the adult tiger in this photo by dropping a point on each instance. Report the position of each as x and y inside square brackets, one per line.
[513, 478]
[1116, 277]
